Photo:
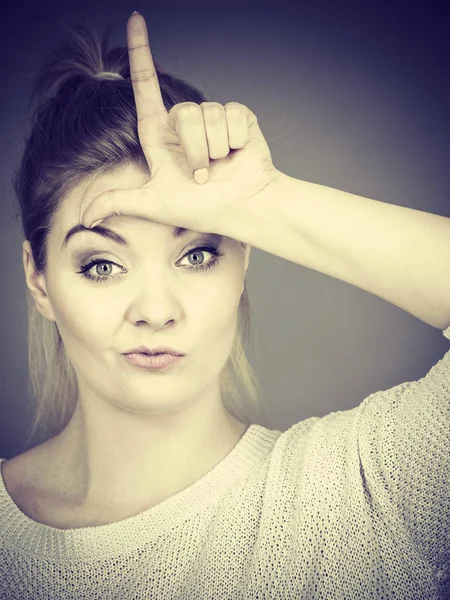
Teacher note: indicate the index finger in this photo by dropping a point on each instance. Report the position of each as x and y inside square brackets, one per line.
[147, 93]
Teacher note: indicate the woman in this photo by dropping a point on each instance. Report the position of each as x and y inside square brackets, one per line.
[153, 483]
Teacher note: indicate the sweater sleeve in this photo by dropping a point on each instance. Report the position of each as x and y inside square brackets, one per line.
[404, 450]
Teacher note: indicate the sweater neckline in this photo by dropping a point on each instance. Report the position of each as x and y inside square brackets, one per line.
[21, 532]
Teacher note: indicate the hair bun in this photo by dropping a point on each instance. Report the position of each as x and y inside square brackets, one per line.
[108, 75]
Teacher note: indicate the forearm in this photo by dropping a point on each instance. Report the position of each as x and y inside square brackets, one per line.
[399, 254]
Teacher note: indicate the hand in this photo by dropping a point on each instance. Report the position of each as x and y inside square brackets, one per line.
[181, 141]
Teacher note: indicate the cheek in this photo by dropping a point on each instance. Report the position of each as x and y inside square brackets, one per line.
[213, 323]
[79, 317]
[216, 303]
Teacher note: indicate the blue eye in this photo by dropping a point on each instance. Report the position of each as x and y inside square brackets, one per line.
[214, 261]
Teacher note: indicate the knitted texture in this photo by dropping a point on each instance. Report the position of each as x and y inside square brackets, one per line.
[353, 505]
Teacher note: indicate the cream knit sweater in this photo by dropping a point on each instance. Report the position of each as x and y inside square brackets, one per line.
[355, 504]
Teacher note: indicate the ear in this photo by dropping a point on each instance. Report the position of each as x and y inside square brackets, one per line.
[247, 249]
[36, 284]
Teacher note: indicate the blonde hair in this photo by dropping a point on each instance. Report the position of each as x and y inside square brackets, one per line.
[83, 126]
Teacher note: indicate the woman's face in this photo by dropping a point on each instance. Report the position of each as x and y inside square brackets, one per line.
[150, 292]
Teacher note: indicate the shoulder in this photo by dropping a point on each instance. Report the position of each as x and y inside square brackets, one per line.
[24, 475]
[28, 480]
[12, 472]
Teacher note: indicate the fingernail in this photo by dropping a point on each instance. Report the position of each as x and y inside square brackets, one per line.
[95, 223]
[135, 13]
[201, 176]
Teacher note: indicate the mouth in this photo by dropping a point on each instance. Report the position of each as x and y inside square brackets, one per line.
[160, 361]
[158, 351]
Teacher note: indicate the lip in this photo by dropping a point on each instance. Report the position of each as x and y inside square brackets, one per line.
[155, 350]
[159, 362]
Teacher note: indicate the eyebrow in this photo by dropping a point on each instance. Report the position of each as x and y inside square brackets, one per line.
[112, 235]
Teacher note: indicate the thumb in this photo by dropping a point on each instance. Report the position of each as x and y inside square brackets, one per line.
[138, 202]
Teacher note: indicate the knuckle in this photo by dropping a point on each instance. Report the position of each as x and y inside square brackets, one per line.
[241, 112]
[212, 111]
[110, 201]
[187, 110]
[137, 47]
[142, 75]
[211, 104]
[236, 107]
[200, 158]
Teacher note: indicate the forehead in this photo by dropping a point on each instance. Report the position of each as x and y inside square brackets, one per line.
[78, 199]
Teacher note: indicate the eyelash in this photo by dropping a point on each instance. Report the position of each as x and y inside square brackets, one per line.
[217, 255]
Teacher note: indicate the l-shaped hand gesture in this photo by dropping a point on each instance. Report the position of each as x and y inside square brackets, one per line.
[178, 143]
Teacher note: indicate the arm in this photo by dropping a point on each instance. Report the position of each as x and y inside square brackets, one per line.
[399, 254]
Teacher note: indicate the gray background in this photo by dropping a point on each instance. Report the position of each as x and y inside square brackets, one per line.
[352, 95]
